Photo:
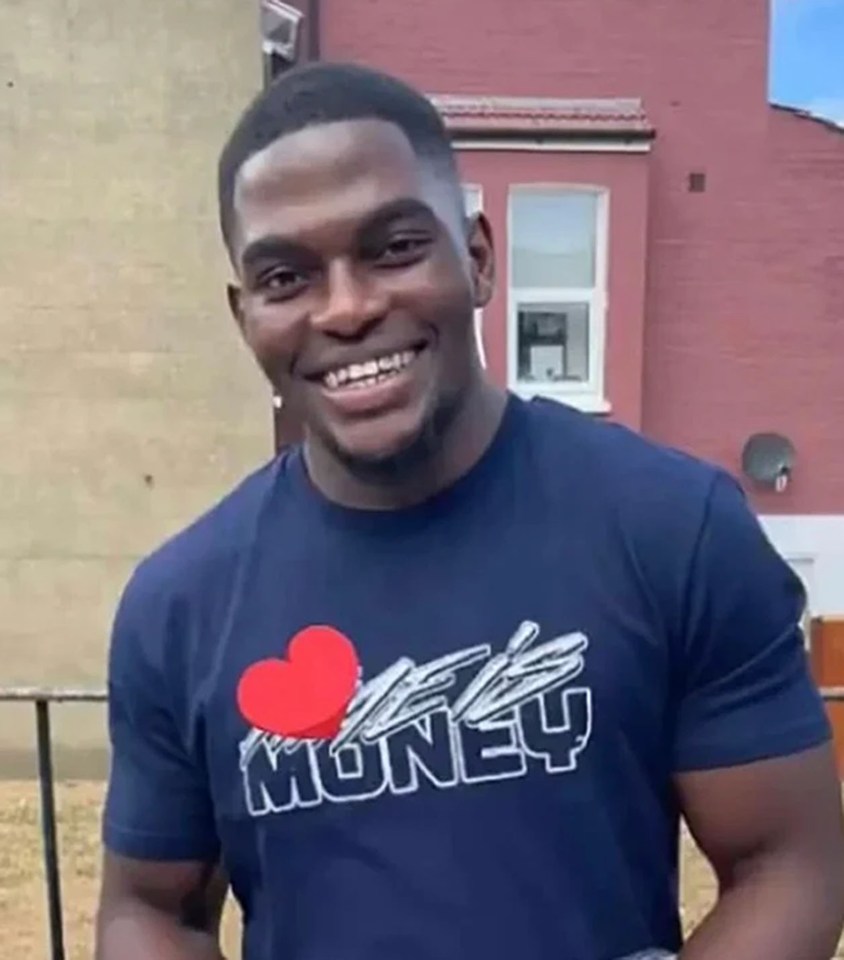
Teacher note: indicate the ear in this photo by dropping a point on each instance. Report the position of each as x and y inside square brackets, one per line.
[234, 295]
[482, 257]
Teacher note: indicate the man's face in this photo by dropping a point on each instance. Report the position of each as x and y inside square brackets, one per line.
[358, 282]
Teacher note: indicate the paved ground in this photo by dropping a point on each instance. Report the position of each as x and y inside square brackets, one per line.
[22, 895]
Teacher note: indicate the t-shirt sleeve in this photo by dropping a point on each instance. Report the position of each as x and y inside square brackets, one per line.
[747, 689]
[157, 803]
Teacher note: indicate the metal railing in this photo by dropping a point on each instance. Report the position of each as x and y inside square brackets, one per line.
[42, 699]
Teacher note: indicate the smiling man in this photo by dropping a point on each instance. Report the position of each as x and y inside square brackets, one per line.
[438, 683]
[358, 271]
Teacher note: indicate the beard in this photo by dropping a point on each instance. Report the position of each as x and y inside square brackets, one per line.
[398, 466]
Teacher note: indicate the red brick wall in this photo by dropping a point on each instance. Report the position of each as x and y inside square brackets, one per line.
[747, 327]
[744, 322]
[699, 55]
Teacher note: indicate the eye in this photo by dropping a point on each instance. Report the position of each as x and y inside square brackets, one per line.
[404, 249]
[281, 283]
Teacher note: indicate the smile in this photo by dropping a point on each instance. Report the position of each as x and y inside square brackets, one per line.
[356, 376]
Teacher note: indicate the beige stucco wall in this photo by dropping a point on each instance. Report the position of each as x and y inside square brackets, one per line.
[127, 403]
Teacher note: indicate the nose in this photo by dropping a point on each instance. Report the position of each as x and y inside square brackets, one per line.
[352, 302]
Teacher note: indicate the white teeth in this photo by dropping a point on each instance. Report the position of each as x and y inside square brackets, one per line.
[369, 373]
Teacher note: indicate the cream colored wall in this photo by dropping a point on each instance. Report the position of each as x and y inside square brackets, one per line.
[127, 403]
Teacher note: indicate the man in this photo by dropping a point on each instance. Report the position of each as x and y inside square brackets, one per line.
[438, 683]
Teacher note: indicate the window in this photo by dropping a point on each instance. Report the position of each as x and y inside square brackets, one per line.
[280, 27]
[557, 291]
[474, 200]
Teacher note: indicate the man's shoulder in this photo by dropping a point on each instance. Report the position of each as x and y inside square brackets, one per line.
[613, 460]
[209, 546]
[646, 505]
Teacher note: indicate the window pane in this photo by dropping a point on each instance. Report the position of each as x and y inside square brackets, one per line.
[553, 238]
[553, 342]
[279, 25]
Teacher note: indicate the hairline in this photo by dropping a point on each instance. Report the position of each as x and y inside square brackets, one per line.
[442, 159]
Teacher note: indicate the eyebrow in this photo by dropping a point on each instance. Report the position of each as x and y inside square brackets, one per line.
[396, 210]
[271, 247]
[275, 246]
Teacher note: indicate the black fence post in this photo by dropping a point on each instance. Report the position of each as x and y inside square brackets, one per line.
[48, 828]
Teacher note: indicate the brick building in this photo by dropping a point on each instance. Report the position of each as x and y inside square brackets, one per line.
[670, 254]
[127, 403]
[671, 247]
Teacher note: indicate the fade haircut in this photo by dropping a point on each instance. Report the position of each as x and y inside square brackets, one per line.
[319, 93]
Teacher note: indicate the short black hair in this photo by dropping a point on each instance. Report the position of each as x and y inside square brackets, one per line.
[324, 92]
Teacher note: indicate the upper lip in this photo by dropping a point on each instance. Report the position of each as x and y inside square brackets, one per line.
[362, 354]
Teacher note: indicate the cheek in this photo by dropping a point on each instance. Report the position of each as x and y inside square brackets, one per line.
[448, 296]
[273, 333]
[452, 308]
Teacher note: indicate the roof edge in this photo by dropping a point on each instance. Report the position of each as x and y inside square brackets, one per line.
[513, 116]
[802, 114]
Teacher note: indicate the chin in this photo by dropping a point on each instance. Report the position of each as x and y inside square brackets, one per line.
[384, 456]
[375, 453]
[387, 449]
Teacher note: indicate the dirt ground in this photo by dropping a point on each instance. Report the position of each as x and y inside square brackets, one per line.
[23, 914]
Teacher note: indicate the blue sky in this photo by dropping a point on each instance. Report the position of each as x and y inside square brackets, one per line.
[807, 56]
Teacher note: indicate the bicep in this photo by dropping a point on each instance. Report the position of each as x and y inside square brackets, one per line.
[192, 892]
[787, 808]
[745, 691]
[158, 802]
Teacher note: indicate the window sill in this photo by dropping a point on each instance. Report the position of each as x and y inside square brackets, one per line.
[585, 402]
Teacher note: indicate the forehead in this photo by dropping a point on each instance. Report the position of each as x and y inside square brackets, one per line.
[329, 177]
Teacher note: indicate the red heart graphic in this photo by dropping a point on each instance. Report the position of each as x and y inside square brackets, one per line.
[306, 695]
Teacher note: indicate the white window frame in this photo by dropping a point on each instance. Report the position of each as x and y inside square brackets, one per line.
[590, 395]
[474, 191]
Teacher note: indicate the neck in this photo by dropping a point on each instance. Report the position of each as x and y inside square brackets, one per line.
[466, 440]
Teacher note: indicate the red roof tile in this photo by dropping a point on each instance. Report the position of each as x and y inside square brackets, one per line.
[515, 115]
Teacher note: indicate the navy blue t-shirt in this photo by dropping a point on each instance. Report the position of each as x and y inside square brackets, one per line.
[451, 731]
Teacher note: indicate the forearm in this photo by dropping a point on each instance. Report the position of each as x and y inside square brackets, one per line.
[138, 932]
[773, 910]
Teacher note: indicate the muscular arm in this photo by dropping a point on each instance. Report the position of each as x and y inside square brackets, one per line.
[161, 896]
[159, 911]
[773, 832]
